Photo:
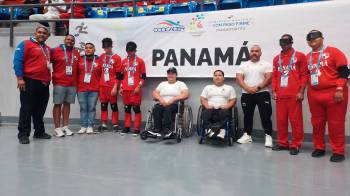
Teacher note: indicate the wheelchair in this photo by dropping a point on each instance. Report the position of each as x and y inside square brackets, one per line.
[182, 126]
[230, 126]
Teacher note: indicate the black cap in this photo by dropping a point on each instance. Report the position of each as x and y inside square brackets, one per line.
[313, 35]
[172, 70]
[131, 46]
[107, 42]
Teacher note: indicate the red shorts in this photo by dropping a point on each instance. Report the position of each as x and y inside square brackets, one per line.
[105, 95]
[131, 98]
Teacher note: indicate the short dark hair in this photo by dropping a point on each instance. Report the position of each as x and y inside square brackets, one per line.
[130, 46]
[70, 35]
[219, 70]
[107, 42]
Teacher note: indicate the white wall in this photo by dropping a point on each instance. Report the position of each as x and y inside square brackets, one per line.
[9, 95]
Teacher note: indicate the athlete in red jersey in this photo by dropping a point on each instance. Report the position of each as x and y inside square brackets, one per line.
[132, 76]
[327, 95]
[289, 79]
[65, 61]
[88, 85]
[109, 64]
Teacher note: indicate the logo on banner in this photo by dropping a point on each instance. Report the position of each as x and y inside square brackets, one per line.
[167, 26]
[81, 29]
[196, 25]
[231, 24]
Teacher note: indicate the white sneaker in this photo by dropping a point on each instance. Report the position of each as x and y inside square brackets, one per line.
[67, 131]
[58, 132]
[82, 130]
[245, 139]
[268, 141]
[210, 133]
[89, 130]
[222, 134]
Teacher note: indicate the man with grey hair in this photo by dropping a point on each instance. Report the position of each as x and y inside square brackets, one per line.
[254, 76]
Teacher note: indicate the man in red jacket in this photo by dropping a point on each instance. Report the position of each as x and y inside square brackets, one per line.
[289, 79]
[132, 76]
[32, 68]
[110, 64]
[327, 95]
[65, 60]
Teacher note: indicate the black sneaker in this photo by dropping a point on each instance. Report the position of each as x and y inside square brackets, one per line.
[24, 140]
[318, 153]
[337, 158]
[294, 151]
[42, 136]
[116, 128]
[135, 133]
[126, 130]
[279, 148]
[102, 128]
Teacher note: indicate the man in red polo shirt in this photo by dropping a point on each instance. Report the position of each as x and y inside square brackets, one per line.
[65, 60]
[110, 64]
[327, 95]
[32, 68]
[289, 79]
[132, 76]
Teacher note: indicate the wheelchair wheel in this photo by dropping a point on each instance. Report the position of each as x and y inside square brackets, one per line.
[143, 135]
[230, 141]
[187, 120]
[199, 120]
[149, 121]
[234, 126]
[178, 135]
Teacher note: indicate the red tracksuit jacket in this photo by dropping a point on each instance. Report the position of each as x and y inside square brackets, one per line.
[115, 66]
[59, 64]
[297, 76]
[331, 60]
[93, 86]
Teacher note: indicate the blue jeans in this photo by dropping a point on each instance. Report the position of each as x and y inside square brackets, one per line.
[87, 102]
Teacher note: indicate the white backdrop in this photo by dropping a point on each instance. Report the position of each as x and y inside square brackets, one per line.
[214, 40]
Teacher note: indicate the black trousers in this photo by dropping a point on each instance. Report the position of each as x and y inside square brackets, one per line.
[33, 106]
[215, 116]
[164, 116]
[263, 100]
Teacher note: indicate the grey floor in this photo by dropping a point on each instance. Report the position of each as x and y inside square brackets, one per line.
[109, 164]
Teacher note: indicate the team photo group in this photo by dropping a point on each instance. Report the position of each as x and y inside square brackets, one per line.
[320, 76]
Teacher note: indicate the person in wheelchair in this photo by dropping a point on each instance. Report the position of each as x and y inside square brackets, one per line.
[217, 100]
[167, 94]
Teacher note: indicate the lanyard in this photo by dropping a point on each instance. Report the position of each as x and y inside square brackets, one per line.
[318, 61]
[289, 66]
[92, 65]
[134, 66]
[46, 54]
[66, 56]
[109, 61]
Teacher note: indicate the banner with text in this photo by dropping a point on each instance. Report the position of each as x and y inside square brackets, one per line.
[199, 43]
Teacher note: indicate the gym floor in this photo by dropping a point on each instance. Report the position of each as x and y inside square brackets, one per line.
[110, 164]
